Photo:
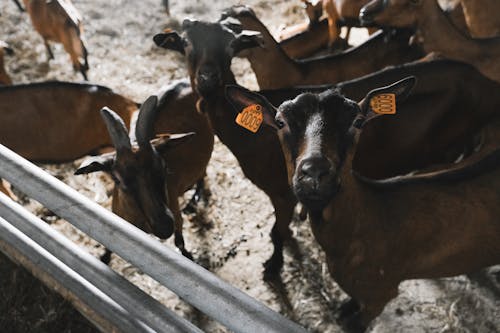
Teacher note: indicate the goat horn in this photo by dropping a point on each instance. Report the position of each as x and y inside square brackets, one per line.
[117, 129]
[145, 121]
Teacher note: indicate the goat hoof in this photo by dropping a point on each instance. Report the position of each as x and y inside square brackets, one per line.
[272, 269]
[352, 323]
[187, 254]
[190, 208]
[106, 257]
[348, 309]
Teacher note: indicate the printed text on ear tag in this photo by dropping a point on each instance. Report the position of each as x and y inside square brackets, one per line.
[250, 117]
[383, 104]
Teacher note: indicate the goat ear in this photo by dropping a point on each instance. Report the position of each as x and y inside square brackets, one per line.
[400, 89]
[169, 40]
[167, 141]
[246, 40]
[102, 162]
[240, 98]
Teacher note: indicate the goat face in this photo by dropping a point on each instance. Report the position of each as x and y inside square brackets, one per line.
[316, 132]
[393, 13]
[314, 136]
[209, 49]
[139, 177]
[139, 172]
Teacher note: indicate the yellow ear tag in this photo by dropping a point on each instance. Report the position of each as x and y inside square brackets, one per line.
[250, 117]
[383, 104]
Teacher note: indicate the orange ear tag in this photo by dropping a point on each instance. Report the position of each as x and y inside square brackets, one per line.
[250, 118]
[383, 104]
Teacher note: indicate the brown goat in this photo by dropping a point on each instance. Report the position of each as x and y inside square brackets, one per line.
[4, 77]
[143, 190]
[269, 63]
[482, 17]
[433, 225]
[57, 121]
[435, 32]
[60, 22]
[186, 163]
[209, 48]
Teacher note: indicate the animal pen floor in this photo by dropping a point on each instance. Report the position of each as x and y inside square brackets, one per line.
[230, 235]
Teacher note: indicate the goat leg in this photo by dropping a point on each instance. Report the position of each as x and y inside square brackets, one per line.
[179, 243]
[50, 55]
[279, 234]
[201, 192]
[21, 9]
[178, 238]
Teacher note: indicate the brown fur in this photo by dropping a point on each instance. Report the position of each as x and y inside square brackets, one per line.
[305, 40]
[60, 22]
[57, 121]
[436, 33]
[482, 17]
[271, 62]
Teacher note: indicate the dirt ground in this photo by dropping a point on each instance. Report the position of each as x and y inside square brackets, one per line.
[229, 236]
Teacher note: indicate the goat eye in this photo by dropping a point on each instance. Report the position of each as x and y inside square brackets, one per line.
[415, 2]
[280, 123]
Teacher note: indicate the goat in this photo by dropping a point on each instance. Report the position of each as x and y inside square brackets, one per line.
[57, 121]
[269, 63]
[59, 21]
[186, 164]
[450, 100]
[143, 191]
[441, 223]
[482, 17]
[4, 77]
[435, 32]
[209, 48]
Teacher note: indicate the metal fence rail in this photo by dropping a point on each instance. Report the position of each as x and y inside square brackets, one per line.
[137, 303]
[99, 308]
[194, 284]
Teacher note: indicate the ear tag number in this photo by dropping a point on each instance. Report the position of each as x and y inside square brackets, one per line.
[250, 118]
[384, 104]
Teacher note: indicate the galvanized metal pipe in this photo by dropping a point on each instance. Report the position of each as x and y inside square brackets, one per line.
[139, 304]
[194, 284]
[105, 314]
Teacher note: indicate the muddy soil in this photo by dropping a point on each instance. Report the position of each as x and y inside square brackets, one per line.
[230, 235]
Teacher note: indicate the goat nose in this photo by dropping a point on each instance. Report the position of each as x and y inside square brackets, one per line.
[315, 168]
[207, 76]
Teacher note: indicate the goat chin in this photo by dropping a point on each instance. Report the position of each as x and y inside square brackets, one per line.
[316, 199]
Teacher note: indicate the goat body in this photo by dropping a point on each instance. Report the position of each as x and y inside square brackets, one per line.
[57, 121]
